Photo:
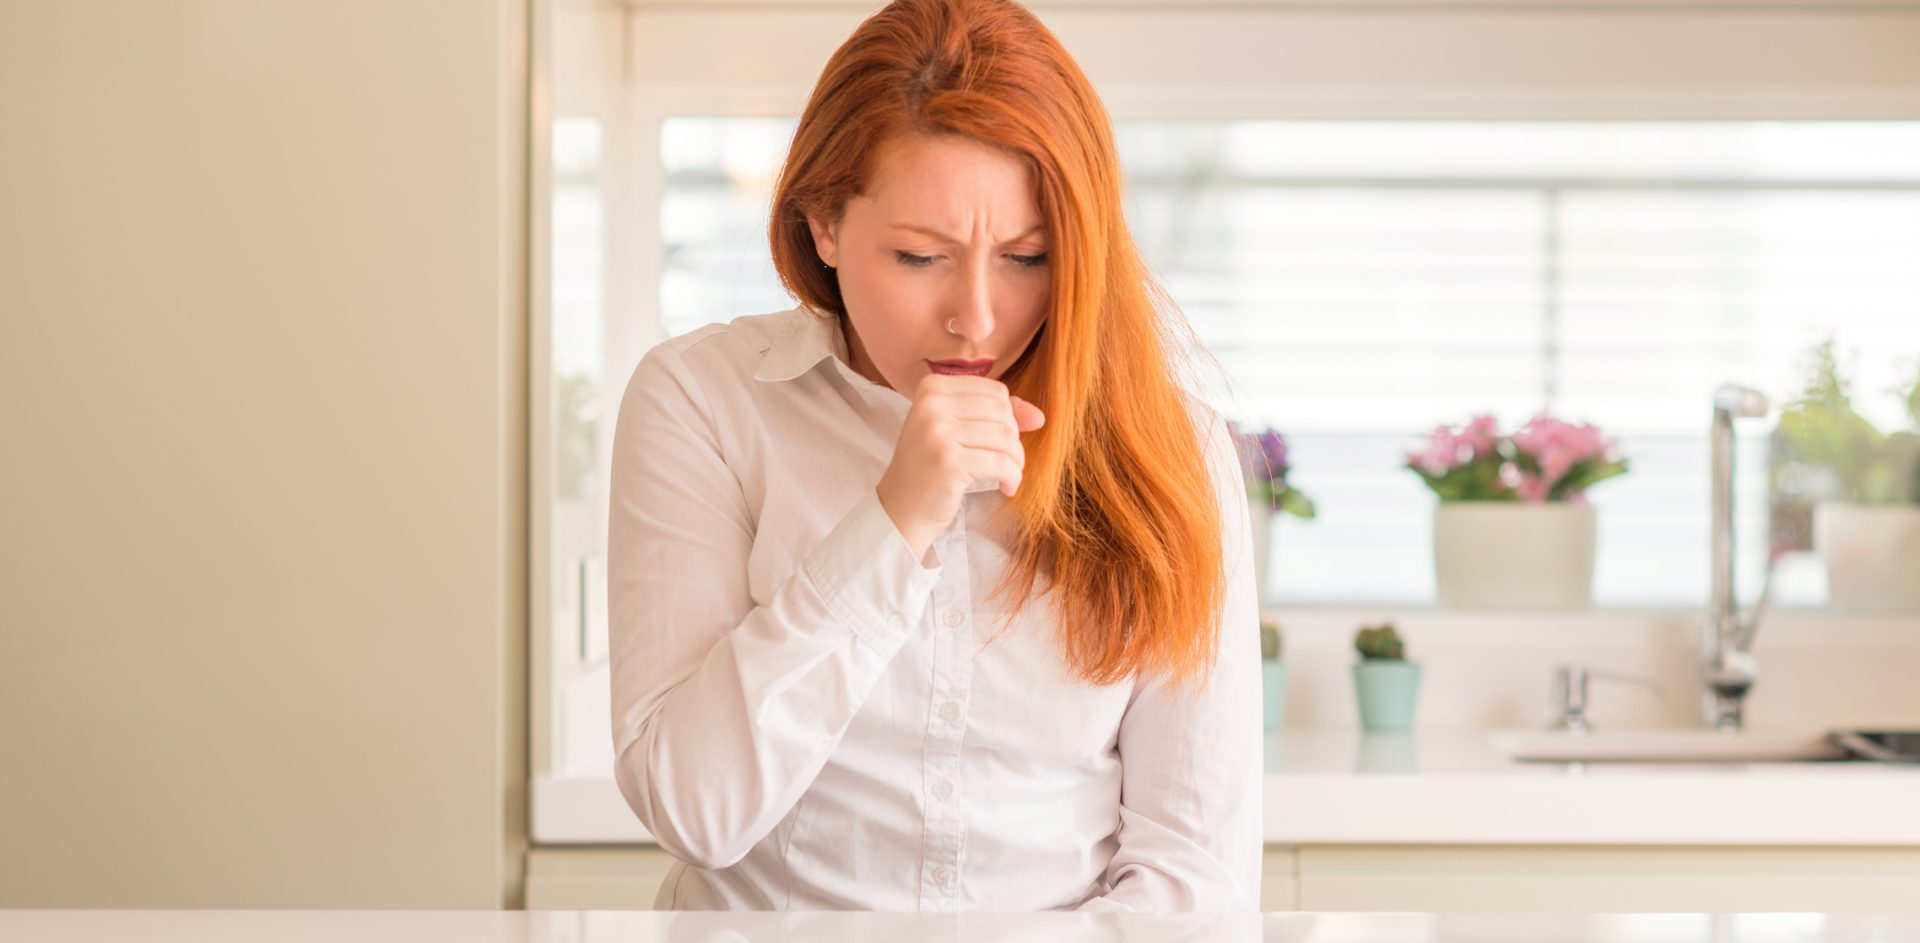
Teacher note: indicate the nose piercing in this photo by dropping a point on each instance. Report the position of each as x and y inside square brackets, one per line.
[950, 329]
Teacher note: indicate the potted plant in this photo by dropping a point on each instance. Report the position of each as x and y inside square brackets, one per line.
[1859, 486]
[1273, 674]
[1513, 529]
[1265, 465]
[1385, 681]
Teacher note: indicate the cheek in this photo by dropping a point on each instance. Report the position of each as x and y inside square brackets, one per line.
[888, 292]
[1031, 303]
[884, 306]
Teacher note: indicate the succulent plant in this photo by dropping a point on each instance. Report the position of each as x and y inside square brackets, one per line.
[1269, 640]
[1913, 399]
[1825, 450]
[1380, 643]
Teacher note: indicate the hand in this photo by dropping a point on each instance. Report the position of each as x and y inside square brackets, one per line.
[960, 429]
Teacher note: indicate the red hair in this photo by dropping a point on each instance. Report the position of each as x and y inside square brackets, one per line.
[1116, 507]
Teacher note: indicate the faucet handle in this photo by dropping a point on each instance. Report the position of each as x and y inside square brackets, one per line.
[1570, 693]
[1629, 678]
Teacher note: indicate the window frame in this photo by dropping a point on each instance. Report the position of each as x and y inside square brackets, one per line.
[639, 62]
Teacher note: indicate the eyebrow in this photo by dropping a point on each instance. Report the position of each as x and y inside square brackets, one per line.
[1038, 227]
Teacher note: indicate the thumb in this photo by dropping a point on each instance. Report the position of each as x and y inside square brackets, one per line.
[1027, 416]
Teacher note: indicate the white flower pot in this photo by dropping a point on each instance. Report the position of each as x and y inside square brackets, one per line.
[1262, 517]
[1872, 553]
[1513, 555]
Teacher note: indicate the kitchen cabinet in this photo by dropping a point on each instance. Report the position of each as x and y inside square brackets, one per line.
[595, 878]
[1436, 879]
[582, 926]
[628, 878]
[1467, 878]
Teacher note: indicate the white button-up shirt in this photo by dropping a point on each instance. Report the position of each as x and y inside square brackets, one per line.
[808, 717]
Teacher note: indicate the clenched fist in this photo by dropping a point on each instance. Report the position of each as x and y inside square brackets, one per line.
[960, 429]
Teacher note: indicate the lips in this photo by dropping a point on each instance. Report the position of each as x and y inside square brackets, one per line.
[977, 368]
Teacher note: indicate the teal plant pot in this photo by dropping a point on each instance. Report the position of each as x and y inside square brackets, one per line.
[1388, 689]
[1273, 684]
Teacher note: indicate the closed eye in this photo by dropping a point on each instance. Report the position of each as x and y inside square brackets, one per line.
[922, 261]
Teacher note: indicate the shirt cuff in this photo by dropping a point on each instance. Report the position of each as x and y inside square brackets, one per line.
[867, 574]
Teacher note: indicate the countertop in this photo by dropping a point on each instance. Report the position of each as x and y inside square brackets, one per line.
[404, 926]
[1455, 787]
[1340, 786]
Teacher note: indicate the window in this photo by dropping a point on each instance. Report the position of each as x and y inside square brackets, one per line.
[1365, 281]
[1362, 275]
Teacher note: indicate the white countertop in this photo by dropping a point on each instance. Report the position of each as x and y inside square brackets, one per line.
[404, 926]
[1454, 787]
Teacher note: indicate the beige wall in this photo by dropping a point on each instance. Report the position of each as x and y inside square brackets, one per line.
[263, 387]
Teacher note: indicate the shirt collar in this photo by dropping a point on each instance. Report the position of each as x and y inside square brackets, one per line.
[797, 341]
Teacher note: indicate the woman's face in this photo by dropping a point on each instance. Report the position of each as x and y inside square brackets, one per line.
[946, 232]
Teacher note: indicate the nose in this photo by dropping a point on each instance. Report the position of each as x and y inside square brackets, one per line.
[972, 311]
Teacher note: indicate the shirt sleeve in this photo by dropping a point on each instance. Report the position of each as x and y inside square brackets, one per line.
[1192, 766]
[723, 711]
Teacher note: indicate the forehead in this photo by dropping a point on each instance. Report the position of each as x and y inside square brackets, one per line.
[948, 179]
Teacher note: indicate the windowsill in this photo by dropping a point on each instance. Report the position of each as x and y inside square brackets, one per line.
[1310, 622]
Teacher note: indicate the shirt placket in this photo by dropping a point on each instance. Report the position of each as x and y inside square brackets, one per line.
[944, 823]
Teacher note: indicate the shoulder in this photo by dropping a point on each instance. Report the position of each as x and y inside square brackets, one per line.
[1211, 430]
[713, 357]
[1217, 449]
[726, 346]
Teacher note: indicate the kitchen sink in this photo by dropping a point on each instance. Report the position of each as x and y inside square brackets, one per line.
[1666, 745]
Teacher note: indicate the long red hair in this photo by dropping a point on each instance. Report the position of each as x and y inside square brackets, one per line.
[1116, 508]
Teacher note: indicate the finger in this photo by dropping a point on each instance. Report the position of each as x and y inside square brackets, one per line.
[1027, 416]
[993, 471]
[1010, 480]
[962, 383]
[991, 435]
[975, 405]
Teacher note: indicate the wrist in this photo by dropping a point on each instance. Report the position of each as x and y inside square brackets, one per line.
[919, 539]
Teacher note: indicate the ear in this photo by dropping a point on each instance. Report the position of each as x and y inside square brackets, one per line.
[823, 242]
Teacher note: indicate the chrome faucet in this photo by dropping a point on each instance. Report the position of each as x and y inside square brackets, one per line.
[1727, 669]
[1570, 694]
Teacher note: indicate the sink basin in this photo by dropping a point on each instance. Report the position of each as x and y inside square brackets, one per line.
[1666, 745]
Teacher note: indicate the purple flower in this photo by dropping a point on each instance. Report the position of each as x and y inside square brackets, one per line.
[1275, 449]
[1263, 454]
[1265, 462]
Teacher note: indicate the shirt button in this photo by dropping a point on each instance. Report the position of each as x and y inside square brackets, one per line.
[942, 876]
[955, 617]
[949, 712]
[896, 622]
[943, 790]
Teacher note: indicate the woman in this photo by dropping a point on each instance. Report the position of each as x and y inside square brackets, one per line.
[931, 593]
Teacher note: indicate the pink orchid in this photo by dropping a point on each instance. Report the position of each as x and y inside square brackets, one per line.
[1482, 434]
[1442, 452]
[1558, 446]
[1448, 447]
[1546, 460]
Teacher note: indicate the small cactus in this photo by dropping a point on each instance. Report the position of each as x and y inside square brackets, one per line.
[1269, 640]
[1380, 642]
